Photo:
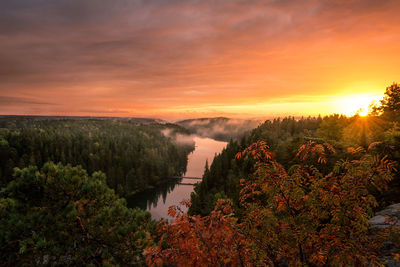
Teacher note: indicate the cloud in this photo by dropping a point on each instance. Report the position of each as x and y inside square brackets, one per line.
[6, 100]
[98, 111]
[134, 51]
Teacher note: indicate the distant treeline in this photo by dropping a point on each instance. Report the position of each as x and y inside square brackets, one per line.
[220, 128]
[134, 156]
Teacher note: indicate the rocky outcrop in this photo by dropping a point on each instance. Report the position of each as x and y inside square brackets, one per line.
[390, 216]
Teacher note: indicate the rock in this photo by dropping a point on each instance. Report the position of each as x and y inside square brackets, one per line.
[392, 210]
[390, 216]
[377, 220]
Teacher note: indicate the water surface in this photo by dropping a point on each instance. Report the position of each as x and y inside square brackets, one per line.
[157, 200]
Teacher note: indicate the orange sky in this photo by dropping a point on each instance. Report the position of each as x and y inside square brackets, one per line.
[180, 59]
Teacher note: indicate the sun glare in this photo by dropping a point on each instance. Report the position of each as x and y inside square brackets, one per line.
[356, 104]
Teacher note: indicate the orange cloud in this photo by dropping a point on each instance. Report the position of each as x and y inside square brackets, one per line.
[194, 58]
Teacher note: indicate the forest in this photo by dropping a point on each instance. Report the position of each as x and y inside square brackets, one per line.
[292, 192]
[134, 154]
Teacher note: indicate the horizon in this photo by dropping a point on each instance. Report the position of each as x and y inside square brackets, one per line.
[175, 120]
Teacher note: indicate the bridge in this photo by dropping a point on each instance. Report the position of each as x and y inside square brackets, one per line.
[187, 183]
[186, 177]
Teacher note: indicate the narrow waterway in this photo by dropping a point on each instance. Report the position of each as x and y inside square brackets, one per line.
[157, 200]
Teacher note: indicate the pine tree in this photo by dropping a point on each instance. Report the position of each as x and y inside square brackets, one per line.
[62, 216]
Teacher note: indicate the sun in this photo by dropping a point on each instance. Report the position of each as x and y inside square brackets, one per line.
[351, 105]
[363, 112]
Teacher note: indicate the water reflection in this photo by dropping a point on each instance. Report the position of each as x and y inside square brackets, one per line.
[148, 199]
[157, 200]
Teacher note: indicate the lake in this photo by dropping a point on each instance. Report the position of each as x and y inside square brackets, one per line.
[157, 200]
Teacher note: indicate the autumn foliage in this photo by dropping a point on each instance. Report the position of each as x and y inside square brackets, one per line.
[296, 217]
[212, 240]
[304, 217]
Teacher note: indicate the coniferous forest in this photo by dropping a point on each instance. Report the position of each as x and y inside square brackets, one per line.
[133, 156]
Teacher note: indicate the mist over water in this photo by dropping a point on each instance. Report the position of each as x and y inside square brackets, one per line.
[205, 149]
[157, 200]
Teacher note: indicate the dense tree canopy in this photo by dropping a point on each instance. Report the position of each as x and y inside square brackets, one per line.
[284, 136]
[62, 216]
[134, 156]
[222, 178]
[390, 104]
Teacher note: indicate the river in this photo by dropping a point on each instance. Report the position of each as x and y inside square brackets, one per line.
[157, 200]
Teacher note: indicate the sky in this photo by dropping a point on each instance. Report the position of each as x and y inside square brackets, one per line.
[189, 58]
